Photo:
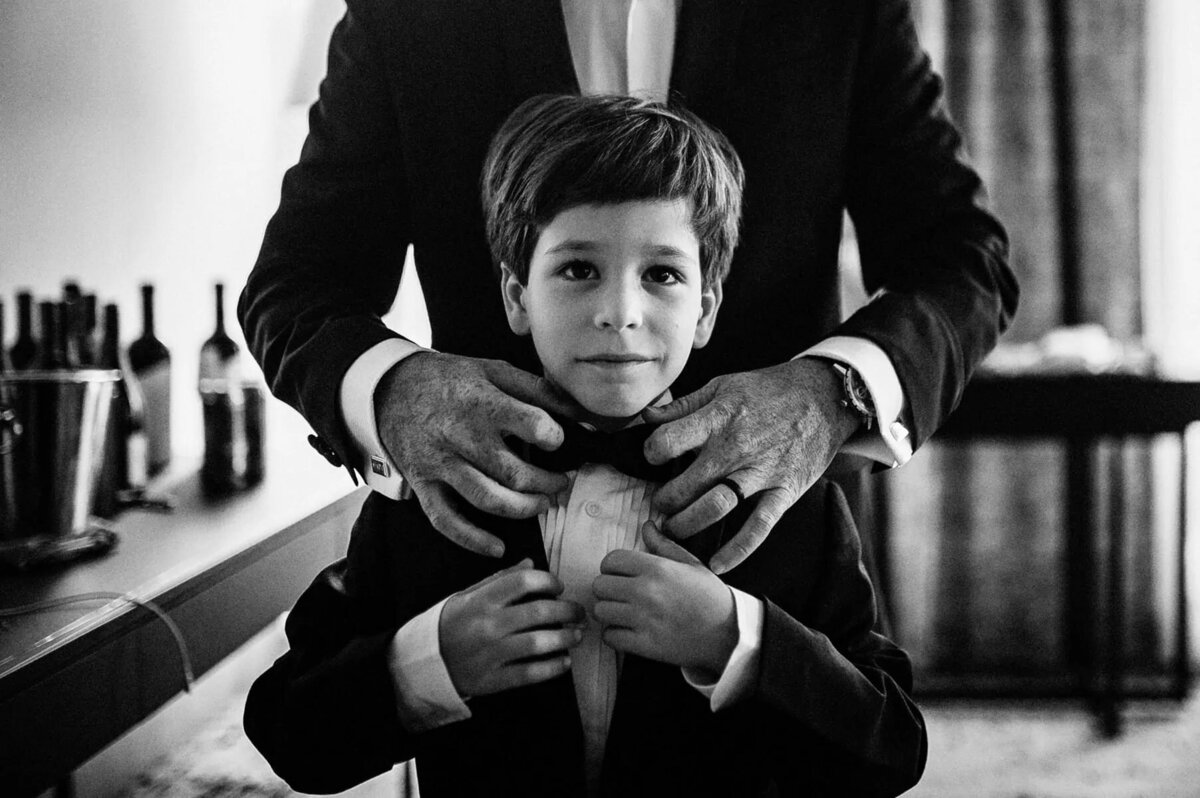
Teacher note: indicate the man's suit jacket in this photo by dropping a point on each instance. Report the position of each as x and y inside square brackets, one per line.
[830, 103]
[829, 712]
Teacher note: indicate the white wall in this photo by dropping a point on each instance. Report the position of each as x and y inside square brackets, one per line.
[145, 140]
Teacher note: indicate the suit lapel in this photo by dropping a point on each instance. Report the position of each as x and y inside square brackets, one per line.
[705, 47]
[537, 52]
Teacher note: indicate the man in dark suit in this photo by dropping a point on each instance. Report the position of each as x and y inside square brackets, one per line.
[832, 106]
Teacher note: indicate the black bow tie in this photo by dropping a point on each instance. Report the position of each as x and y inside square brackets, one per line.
[623, 450]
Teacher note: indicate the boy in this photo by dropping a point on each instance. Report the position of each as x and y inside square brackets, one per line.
[598, 657]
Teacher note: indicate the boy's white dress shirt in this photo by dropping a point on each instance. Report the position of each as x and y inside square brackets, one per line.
[623, 47]
[605, 511]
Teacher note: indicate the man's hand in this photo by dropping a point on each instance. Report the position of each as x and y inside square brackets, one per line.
[442, 419]
[508, 630]
[773, 431]
[665, 605]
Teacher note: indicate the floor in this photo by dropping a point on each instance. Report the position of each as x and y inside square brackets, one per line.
[977, 749]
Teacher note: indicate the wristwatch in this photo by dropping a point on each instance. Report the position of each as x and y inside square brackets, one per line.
[855, 394]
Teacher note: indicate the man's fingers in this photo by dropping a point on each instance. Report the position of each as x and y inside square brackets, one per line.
[530, 388]
[682, 435]
[710, 507]
[436, 500]
[514, 473]
[531, 424]
[480, 490]
[767, 512]
[659, 544]
[683, 406]
[700, 476]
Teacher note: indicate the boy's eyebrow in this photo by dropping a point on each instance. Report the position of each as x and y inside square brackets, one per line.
[573, 245]
[584, 245]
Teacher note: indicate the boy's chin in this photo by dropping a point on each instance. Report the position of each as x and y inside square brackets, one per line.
[612, 415]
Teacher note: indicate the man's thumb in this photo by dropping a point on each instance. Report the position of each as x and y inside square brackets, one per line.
[660, 545]
[683, 406]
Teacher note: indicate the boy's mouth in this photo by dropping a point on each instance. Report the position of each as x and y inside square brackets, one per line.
[616, 359]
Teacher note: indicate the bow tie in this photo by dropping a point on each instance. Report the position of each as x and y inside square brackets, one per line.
[623, 450]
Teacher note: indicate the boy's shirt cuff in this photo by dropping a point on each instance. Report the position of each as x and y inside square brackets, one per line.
[888, 442]
[737, 680]
[358, 412]
[425, 696]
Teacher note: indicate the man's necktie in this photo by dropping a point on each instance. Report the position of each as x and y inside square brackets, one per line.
[623, 450]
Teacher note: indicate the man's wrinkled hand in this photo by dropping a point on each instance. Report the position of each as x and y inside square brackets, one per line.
[773, 432]
[443, 419]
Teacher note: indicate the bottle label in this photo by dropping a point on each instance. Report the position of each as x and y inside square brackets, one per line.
[156, 387]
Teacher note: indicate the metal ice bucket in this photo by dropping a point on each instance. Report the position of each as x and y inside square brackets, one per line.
[52, 450]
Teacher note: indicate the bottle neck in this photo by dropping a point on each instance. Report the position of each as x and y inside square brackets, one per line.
[52, 338]
[147, 311]
[110, 355]
[220, 292]
[24, 316]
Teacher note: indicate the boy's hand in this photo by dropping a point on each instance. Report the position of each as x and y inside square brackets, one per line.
[507, 631]
[772, 432]
[665, 605]
[442, 419]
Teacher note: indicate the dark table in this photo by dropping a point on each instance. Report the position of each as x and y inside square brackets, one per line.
[1081, 410]
[74, 679]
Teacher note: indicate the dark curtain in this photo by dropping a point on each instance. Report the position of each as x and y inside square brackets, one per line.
[978, 529]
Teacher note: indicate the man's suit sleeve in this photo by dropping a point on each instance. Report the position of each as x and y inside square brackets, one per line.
[932, 255]
[829, 681]
[332, 256]
[324, 715]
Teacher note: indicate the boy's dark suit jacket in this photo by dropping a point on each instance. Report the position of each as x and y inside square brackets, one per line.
[829, 713]
[830, 103]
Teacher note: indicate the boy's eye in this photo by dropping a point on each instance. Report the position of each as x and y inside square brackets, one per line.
[662, 275]
[577, 270]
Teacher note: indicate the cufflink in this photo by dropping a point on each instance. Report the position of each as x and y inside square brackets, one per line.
[379, 466]
[325, 450]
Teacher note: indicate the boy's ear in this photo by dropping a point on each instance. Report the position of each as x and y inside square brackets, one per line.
[710, 302]
[514, 301]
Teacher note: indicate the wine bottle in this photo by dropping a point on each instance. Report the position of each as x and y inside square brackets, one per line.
[126, 453]
[151, 363]
[219, 354]
[24, 352]
[223, 404]
[51, 354]
[10, 430]
[88, 344]
[5, 361]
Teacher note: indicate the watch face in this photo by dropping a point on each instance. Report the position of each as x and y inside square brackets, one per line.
[858, 394]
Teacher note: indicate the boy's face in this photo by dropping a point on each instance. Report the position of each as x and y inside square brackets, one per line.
[614, 302]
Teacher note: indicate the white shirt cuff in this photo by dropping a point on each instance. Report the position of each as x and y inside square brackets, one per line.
[358, 412]
[425, 696]
[889, 442]
[737, 680]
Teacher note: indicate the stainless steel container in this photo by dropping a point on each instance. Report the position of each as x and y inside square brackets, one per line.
[54, 446]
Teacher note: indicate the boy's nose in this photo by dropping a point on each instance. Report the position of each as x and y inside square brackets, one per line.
[620, 306]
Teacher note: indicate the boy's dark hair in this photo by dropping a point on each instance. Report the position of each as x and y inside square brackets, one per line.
[556, 152]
